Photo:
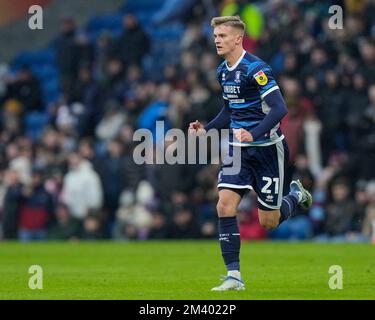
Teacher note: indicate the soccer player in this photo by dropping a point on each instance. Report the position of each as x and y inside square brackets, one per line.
[253, 108]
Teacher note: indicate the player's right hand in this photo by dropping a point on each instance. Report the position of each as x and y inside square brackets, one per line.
[196, 127]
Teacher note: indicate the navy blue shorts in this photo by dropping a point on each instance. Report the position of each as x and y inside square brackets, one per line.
[263, 170]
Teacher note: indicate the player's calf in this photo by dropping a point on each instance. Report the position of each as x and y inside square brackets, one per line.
[269, 220]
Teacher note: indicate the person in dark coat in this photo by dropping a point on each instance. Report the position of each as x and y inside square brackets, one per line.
[134, 43]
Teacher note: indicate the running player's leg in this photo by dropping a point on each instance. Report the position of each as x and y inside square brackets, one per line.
[229, 238]
[229, 233]
[231, 189]
[272, 218]
[276, 204]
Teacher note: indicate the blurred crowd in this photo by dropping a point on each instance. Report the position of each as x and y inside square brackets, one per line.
[78, 180]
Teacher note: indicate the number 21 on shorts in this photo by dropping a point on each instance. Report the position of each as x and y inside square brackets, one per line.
[267, 187]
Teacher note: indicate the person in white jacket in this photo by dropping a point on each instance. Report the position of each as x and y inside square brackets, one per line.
[82, 189]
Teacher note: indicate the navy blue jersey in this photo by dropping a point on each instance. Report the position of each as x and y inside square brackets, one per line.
[244, 86]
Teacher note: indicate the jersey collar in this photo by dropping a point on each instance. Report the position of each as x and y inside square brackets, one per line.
[237, 62]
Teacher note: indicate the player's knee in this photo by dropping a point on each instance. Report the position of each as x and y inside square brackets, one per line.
[225, 209]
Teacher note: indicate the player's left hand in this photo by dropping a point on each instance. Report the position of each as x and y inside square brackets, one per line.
[243, 135]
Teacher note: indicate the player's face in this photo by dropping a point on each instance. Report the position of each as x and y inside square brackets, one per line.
[227, 39]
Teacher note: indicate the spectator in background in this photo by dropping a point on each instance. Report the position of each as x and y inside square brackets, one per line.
[158, 229]
[85, 50]
[67, 53]
[319, 64]
[205, 213]
[134, 217]
[86, 149]
[194, 40]
[134, 43]
[92, 226]
[10, 205]
[123, 229]
[156, 110]
[111, 123]
[183, 225]
[35, 210]
[362, 195]
[363, 138]
[103, 52]
[178, 109]
[82, 189]
[22, 163]
[292, 124]
[368, 228]
[367, 51]
[339, 212]
[332, 113]
[25, 89]
[111, 171]
[83, 85]
[66, 227]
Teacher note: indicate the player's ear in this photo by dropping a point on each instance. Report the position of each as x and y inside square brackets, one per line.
[239, 38]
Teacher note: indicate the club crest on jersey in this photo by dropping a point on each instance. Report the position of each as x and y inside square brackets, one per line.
[261, 78]
[237, 77]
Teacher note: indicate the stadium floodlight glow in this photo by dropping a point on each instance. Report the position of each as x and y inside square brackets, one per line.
[172, 147]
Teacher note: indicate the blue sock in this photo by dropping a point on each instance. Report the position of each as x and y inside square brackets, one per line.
[288, 206]
[230, 242]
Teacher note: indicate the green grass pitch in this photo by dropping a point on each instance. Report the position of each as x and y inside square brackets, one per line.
[184, 270]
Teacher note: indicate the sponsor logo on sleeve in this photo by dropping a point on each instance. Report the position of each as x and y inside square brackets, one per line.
[261, 78]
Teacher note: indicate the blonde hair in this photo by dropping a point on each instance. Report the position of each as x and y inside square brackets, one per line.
[233, 21]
